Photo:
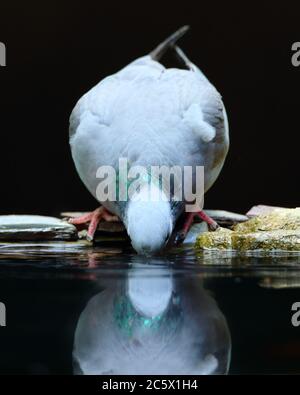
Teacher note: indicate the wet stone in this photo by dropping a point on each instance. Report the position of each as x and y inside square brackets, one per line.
[261, 209]
[35, 227]
[219, 239]
[226, 218]
[278, 229]
[277, 219]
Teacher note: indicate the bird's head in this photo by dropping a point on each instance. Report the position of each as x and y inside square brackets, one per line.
[149, 220]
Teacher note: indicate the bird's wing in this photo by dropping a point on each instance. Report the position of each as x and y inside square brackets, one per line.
[94, 103]
[212, 110]
[99, 100]
[144, 111]
[204, 109]
[205, 115]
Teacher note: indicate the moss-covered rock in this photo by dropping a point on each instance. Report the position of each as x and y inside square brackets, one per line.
[220, 239]
[278, 219]
[278, 230]
[287, 240]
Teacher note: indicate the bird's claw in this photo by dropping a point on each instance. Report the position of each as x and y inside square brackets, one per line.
[89, 238]
[212, 227]
[179, 238]
[181, 235]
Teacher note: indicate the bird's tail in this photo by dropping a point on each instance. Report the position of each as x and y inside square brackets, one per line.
[158, 52]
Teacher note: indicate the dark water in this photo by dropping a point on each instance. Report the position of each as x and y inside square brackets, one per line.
[81, 310]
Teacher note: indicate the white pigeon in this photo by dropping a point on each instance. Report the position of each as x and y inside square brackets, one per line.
[152, 116]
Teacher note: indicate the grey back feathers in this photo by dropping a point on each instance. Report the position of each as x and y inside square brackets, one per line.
[152, 115]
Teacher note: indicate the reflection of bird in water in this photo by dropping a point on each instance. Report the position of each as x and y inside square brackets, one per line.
[150, 322]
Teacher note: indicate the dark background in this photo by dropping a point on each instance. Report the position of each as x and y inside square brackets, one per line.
[56, 51]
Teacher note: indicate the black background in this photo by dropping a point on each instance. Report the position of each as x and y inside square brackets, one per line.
[56, 51]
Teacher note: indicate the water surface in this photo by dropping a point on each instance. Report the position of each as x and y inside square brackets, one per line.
[76, 309]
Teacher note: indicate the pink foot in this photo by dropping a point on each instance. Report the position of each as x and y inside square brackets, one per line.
[93, 220]
[212, 225]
